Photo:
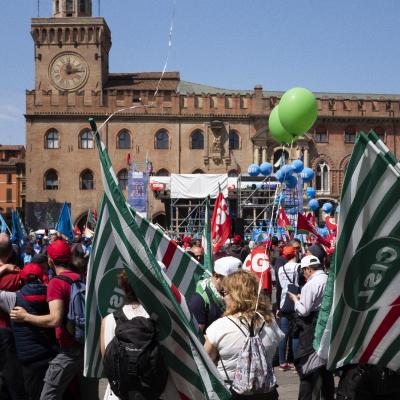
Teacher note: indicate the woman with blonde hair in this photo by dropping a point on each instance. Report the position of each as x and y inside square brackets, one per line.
[225, 337]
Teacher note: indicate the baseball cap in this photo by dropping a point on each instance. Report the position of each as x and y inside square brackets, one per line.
[59, 251]
[30, 271]
[317, 251]
[309, 261]
[237, 239]
[289, 252]
[227, 265]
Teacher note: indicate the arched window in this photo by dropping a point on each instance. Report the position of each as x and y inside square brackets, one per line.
[52, 139]
[281, 157]
[198, 171]
[322, 177]
[124, 140]
[234, 140]
[380, 132]
[350, 134]
[123, 179]
[197, 140]
[86, 140]
[233, 173]
[86, 181]
[50, 180]
[161, 140]
[162, 172]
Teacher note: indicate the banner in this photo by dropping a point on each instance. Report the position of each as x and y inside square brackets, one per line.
[137, 191]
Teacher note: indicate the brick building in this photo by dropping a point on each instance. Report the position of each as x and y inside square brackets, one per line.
[12, 179]
[185, 128]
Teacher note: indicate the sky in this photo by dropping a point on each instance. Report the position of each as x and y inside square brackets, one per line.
[348, 46]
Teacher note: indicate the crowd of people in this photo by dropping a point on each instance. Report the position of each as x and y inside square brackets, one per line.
[42, 358]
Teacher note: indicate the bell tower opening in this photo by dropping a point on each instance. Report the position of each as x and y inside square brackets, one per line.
[72, 8]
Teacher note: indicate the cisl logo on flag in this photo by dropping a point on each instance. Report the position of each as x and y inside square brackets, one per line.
[371, 273]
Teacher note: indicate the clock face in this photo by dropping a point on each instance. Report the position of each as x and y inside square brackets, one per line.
[68, 71]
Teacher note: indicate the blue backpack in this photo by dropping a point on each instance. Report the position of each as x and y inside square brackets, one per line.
[75, 321]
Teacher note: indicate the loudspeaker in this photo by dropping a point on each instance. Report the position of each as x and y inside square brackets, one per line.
[237, 227]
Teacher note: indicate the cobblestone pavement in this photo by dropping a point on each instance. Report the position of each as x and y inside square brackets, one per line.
[288, 385]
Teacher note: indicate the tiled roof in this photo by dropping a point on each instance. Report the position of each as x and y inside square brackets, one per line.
[143, 81]
[11, 147]
[185, 87]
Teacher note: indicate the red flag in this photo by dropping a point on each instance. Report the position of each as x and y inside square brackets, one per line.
[304, 226]
[332, 228]
[77, 231]
[258, 263]
[311, 218]
[220, 223]
[283, 220]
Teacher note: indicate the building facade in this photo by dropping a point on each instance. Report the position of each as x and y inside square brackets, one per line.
[181, 127]
[12, 180]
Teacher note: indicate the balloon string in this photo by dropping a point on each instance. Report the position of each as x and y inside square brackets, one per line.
[171, 28]
[274, 222]
[152, 104]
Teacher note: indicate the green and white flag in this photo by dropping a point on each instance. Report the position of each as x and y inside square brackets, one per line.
[206, 238]
[118, 244]
[362, 295]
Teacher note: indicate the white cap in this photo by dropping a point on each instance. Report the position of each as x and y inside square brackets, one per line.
[309, 261]
[227, 265]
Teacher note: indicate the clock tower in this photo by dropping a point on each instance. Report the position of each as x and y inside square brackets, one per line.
[71, 52]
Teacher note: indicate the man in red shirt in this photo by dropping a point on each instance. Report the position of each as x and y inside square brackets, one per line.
[69, 362]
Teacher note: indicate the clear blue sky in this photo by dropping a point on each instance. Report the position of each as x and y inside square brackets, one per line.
[329, 46]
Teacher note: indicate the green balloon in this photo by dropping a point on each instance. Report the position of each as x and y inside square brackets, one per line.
[278, 132]
[298, 110]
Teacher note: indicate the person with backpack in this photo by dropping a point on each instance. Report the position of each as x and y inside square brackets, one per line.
[243, 342]
[314, 377]
[207, 303]
[131, 353]
[62, 292]
[287, 280]
[35, 346]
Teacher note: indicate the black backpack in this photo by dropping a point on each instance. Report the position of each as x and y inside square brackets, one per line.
[133, 362]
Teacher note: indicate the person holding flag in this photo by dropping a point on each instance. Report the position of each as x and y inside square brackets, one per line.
[207, 303]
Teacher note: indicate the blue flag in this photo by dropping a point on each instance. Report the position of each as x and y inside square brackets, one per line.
[18, 233]
[64, 224]
[3, 226]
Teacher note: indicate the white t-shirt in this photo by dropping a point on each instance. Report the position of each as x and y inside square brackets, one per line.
[227, 338]
[130, 311]
[291, 271]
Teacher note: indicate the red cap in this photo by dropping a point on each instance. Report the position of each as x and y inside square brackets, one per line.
[59, 251]
[186, 239]
[289, 252]
[237, 239]
[32, 269]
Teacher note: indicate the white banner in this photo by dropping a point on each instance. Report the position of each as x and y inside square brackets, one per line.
[198, 186]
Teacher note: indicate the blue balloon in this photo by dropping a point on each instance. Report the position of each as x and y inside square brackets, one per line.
[307, 174]
[291, 181]
[253, 170]
[266, 168]
[286, 170]
[327, 207]
[298, 166]
[311, 192]
[313, 204]
[279, 176]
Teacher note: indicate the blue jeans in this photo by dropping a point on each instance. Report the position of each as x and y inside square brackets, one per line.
[284, 325]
